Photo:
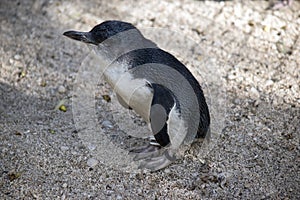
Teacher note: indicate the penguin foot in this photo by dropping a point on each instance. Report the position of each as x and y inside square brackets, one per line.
[144, 149]
[158, 162]
[147, 155]
[155, 163]
[145, 152]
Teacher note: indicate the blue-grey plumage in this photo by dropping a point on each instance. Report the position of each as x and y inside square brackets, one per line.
[142, 76]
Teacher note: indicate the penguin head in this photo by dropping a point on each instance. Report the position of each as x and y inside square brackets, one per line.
[100, 32]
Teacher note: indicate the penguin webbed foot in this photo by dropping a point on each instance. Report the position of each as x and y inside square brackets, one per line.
[157, 162]
[144, 149]
[152, 157]
[144, 152]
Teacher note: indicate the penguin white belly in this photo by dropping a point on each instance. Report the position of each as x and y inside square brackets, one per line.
[134, 92]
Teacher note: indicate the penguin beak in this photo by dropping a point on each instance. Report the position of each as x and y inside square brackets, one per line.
[85, 37]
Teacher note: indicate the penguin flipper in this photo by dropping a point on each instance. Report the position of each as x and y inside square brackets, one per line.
[162, 103]
[177, 132]
[164, 106]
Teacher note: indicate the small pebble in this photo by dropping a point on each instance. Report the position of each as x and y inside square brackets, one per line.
[254, 93]
[17, 57]
[64, 148]
[91, 147]
[268, 83]
[43, 83]
[237, 101]
[92, 162]
[22, 74]
[256, 103]
[61, 89]
[119, 197]
[107, 124]
[267, 28]
[63, 108]
[231, 77]
[106, 98]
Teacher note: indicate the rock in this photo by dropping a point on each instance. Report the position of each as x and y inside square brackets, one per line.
[269, 83]
[107, 124]
[64, 148]
[61, 89]
[237, 101]
[119, 197]
[17, 57]
[254, 93]
[92, 162]
[232, 76]
[91, 147]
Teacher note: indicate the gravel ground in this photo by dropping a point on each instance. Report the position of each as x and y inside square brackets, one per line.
[257, 51]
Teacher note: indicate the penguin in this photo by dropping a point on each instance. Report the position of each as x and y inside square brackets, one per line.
[154, 84]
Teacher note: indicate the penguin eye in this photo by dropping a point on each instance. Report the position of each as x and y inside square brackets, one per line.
[148, 84]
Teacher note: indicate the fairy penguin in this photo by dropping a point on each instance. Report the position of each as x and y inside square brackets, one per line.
[155, 85]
